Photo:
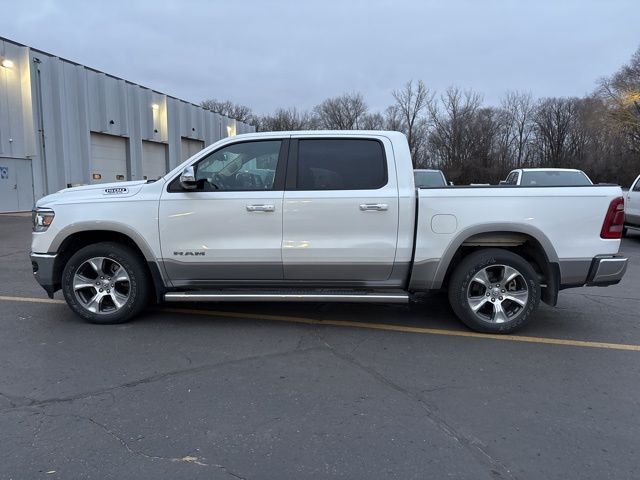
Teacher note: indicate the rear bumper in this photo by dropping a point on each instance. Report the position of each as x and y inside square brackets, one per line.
[606, 270]
[43, 265]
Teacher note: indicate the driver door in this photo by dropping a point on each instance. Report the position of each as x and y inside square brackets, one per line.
[230, 227]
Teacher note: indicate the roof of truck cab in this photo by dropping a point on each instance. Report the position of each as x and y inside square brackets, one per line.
[386, 133]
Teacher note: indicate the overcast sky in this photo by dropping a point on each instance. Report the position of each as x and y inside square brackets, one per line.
[267, 54]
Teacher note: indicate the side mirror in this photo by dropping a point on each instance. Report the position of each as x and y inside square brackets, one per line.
[188, 178]
[451, 184]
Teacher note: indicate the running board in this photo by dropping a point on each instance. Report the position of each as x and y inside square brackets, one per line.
[364, 297]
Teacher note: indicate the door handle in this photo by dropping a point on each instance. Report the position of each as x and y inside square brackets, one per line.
[261, 208]
[378, 207]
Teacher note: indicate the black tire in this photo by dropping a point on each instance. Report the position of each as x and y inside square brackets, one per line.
[465, 288]
[136, 286]
[624, 231]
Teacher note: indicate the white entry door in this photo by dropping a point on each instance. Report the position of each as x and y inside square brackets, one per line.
[16, 185]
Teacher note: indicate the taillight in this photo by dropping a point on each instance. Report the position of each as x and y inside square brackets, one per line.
[614, 220]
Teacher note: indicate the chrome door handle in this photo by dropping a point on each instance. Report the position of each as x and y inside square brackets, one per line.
[379, 207]
[261, 208]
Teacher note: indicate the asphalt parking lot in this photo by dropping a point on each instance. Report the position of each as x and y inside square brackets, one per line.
[318, 390]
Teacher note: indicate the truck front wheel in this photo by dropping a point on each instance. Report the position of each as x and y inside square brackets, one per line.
[105, 283]
[494, 291]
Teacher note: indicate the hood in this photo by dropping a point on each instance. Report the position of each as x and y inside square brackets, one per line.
[99, 191]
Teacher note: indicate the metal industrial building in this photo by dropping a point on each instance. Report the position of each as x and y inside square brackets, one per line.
[63, 124]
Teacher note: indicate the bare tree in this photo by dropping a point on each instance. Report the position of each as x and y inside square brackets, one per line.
[410, 105]
[519, 110]
[372, 121]
[622, 92]
[242, 113]
[451, 141]
[345, 112]
[554, 120]
[286, 119]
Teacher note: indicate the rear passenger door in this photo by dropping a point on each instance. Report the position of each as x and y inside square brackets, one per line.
[340, 210]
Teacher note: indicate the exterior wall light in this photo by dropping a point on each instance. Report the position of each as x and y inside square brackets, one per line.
[6, 63]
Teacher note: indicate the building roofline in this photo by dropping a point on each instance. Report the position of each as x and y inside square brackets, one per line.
[34, 49]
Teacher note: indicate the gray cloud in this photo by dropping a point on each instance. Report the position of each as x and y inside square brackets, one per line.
[295, 53]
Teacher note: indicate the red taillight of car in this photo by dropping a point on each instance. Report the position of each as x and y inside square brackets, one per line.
[614, 220]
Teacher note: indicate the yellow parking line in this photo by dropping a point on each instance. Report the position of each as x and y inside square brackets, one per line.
[370, 326]
[405, 328]
[30, 299]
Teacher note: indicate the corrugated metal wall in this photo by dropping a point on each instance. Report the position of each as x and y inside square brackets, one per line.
[49, 107]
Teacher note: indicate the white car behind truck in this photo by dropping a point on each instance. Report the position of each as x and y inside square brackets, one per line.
[322, 216]
[632, 206]
[547, 177]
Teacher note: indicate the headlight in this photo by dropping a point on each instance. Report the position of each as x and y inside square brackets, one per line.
[42, 218]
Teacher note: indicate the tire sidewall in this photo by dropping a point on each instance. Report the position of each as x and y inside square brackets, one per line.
[128, 260]
[473, 264]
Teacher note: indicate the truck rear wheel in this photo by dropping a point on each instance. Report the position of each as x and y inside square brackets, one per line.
[105, 283]
[494, 291]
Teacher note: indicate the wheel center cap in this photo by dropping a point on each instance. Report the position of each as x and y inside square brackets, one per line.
[495, 291]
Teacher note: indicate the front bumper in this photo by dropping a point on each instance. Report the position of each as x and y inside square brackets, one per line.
[607, 270]
[43, 265]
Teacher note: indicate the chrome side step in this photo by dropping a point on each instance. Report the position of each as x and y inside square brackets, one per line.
[382, 297]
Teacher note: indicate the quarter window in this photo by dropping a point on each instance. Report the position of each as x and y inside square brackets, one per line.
[340, 164]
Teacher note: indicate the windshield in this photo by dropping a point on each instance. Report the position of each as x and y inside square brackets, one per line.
[429, 179]
[554, 178]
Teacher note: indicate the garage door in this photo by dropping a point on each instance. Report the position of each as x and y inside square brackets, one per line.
[154, 160]
[108, 158]
[16, 185]
[190, 147]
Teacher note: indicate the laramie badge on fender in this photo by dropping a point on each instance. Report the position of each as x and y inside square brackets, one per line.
[116, 190]
[189, 254]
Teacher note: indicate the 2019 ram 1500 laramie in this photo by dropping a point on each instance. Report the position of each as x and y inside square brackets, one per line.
[326, 216]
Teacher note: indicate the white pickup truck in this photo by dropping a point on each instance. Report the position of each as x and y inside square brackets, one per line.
[322, 216]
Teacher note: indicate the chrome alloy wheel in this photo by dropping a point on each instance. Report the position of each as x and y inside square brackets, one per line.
[101, 285]
[497, 293]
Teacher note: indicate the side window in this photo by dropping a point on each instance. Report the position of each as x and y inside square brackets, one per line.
[239, 167]
[340, 164]
[636, 188]
[512, 178]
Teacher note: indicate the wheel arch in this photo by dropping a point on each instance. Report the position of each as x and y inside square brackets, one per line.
[78, 236]
[525, 240]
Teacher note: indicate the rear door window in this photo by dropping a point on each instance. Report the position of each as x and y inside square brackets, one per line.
[340, 164]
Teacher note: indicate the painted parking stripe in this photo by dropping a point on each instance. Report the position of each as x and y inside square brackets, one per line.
[30, 299]
[406, 329]
[369, 326]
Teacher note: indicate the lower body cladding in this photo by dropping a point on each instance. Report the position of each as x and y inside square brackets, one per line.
[602, 270]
